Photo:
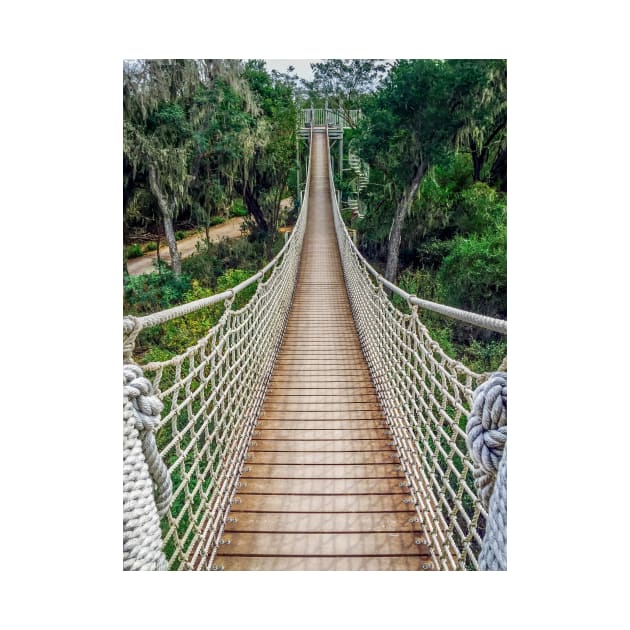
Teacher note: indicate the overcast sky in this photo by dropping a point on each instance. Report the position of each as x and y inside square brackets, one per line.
[302, 67]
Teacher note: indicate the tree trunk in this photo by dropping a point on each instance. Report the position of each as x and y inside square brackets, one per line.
[395, 234]
[477, 161]
[253, 207]
[167, 218]
[207, 228]
[169, 235]
[125, 239]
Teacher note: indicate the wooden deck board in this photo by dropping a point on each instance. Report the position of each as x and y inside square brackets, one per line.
[334, 563]
[334, 544]
[322, 487]
[321, 471]
[323, 522]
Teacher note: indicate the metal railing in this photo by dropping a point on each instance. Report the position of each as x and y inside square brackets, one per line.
[331, 117]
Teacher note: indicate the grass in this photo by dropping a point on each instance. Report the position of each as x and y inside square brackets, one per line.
[134, 251]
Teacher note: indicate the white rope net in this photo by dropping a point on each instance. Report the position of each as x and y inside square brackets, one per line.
[213, 392]
[427, 397]
[212, 395]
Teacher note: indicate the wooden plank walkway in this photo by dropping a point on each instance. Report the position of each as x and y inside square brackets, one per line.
[323, 490]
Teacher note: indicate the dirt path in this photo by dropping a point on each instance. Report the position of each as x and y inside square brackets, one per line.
[144, 264]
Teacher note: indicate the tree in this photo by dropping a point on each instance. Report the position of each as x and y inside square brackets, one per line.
[480, 101]
[345, 81]
[222, 143]
[263, 177]
[185, 120]
[408, 126]
[424, 111]
[156, 136]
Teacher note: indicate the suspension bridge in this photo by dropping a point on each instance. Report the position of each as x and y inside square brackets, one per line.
[317, 427]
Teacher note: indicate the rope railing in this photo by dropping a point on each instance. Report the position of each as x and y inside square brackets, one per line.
[211, 396]
[188, 420]
[427, 397]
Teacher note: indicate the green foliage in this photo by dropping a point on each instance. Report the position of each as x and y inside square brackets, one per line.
[151, 246]
[151, 292]
[216, 220]
[173, 337]
[474, 274]
[233, 277]
[485, 356]
[182, 332]
[210, 262]
[264, 177]
[481, 207]
[203, 266]
[179, 235]
[238, 209]
[437, 204]
[134, 251]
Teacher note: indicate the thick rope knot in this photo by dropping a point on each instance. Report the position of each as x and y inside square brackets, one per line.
[486, 436]
[138, 389]
[486, 432]
[147, 486]
[131, 330]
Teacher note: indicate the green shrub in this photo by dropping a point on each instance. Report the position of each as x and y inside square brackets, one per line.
[134, 251]
[154, 291]
[474, 274]
[160, 343]
[203, 266]
[241, 253]
[238, 209]
[431, 252]
[216, 220]
[485, 356]
[481, 208]
[230, 279]
[179, 235]
[151, 247]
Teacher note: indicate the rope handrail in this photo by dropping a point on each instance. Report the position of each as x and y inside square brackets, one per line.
[188, 419]
[476, 319]
[160, 317]
[427, 397]
[469, 317]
